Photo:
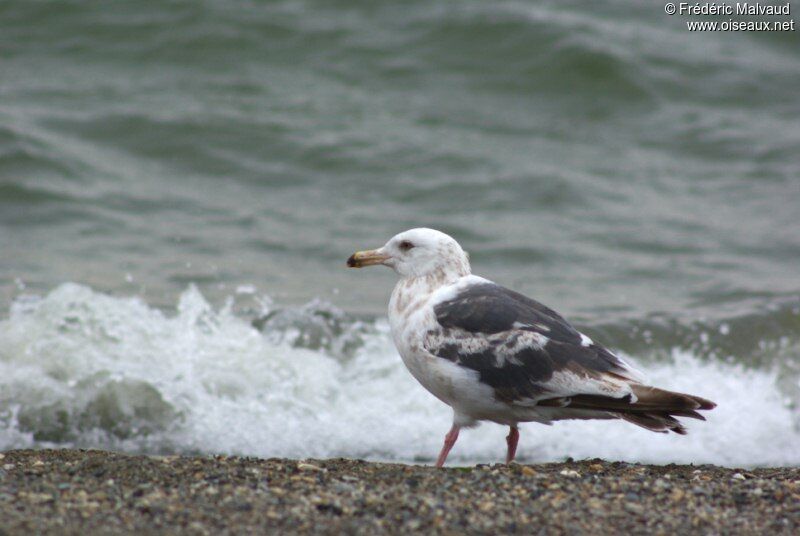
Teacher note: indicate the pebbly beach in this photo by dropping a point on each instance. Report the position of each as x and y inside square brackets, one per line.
[99, 492]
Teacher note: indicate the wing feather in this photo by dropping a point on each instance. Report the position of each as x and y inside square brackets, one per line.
[522, 349]
[531, 356]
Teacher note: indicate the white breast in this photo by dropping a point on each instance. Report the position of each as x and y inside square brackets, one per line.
[411, 316]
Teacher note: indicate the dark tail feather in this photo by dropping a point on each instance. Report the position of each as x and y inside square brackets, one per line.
[654, 409]
[655, 422]
[688, 413]
[660, 398]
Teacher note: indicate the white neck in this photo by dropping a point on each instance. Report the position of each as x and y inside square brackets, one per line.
[412, 292]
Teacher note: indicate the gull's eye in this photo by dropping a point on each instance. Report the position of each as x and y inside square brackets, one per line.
[405, 245]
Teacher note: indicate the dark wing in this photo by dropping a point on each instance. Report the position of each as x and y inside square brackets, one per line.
[518, 346]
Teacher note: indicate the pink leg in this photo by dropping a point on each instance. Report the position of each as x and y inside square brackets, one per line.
[449, 441]
[511, 439]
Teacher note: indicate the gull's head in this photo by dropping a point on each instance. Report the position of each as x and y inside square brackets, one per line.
[417, 253]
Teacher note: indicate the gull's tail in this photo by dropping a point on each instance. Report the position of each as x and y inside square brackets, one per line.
[654, 409]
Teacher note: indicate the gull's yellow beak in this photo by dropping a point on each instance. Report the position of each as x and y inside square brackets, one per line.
[359, 259]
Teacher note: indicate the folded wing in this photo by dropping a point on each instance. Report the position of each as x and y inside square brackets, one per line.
[531, 356]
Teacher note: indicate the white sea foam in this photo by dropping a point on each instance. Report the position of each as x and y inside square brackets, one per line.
[80, 368]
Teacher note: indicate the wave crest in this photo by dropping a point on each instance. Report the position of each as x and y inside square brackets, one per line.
[82, 368]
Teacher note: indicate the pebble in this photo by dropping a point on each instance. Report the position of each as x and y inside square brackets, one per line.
[83, 490]
[634, 508]
[302, 466]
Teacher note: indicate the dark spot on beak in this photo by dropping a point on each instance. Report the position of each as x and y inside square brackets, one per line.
[351, 261]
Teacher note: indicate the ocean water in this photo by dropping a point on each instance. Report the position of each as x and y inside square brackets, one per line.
[181, 182]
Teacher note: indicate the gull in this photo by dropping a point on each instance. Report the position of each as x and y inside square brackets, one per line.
[492, 354]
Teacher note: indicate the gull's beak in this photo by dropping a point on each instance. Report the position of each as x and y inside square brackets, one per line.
[359, 259]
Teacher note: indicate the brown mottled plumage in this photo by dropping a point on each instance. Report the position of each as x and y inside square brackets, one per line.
[493, 354]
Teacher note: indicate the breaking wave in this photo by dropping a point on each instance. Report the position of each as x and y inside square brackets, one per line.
[79, 368]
